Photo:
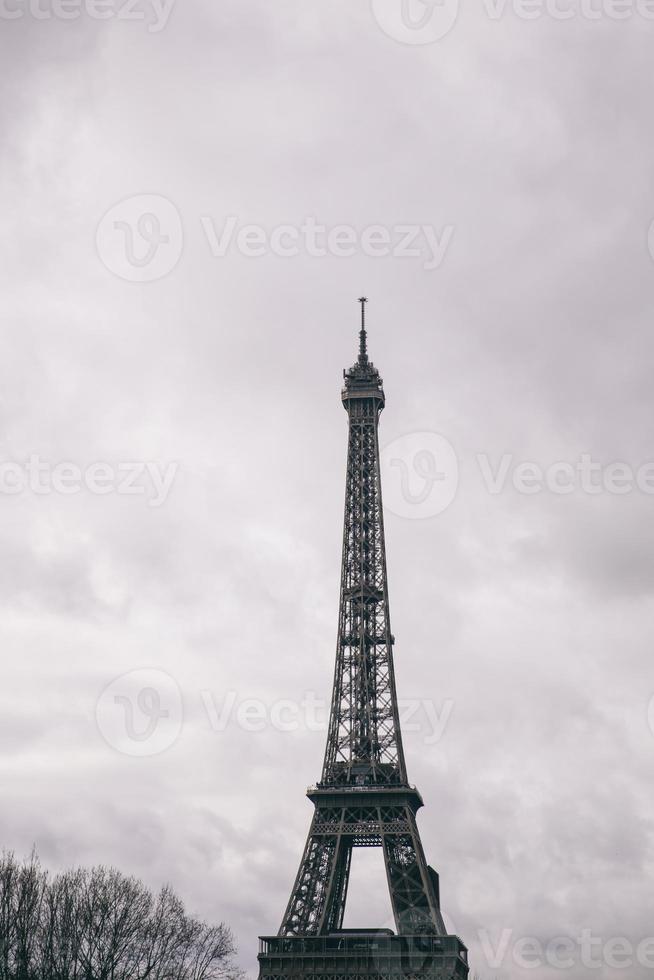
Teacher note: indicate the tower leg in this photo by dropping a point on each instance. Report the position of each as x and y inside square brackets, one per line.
[411, 883]
[321, 874]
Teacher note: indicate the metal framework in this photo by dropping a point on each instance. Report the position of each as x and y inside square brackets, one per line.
[363, 798]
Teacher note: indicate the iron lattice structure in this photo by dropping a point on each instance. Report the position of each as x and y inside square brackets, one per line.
[363, 798]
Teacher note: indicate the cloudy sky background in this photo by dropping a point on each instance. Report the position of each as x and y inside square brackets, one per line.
[529, 615]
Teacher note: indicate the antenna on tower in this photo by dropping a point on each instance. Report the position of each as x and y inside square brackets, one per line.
[363, 349]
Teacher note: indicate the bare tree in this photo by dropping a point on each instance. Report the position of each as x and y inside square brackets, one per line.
[98, 924]
[29, 899]
[163, 938]
[9, 871]
[60, 935]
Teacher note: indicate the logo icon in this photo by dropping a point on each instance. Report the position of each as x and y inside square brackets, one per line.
[141, 238]
[140, 713]
[415, 21]
[420, 475]
[422, 947]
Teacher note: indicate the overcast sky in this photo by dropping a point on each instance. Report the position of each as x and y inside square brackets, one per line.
[520, 154]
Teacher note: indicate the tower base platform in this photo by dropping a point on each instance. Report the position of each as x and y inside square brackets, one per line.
[362, 955]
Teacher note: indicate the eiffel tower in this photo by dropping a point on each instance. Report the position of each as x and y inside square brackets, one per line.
[364, 798]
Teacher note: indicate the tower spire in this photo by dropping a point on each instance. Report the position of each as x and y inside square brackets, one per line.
[363, 337]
